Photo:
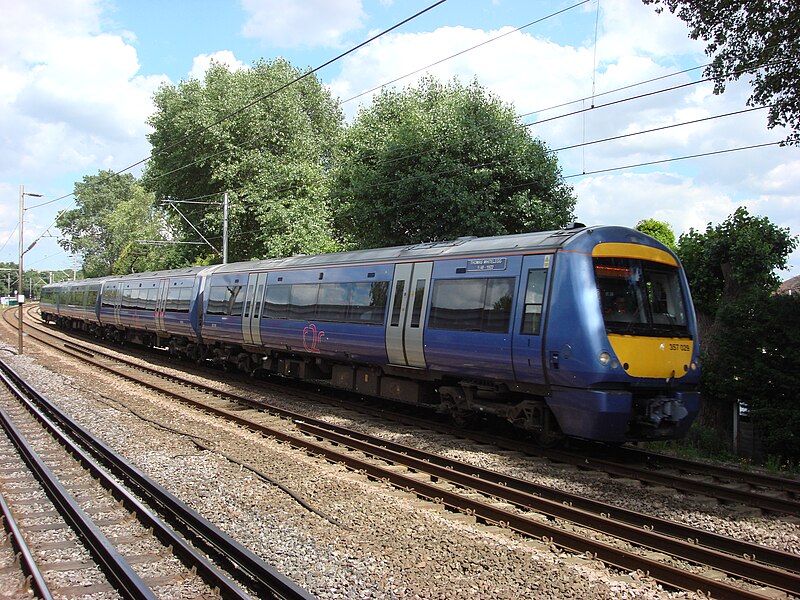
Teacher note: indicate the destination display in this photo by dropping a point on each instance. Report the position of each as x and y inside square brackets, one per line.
[487, 264]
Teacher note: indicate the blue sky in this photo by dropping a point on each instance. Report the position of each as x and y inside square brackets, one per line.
[77, 78]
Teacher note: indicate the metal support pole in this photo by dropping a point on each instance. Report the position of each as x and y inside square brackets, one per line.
[20, 286]
[20, 289]
[225, 229]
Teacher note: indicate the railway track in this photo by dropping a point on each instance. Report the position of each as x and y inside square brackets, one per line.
[620, 538]
[734, 486]
[90, 489]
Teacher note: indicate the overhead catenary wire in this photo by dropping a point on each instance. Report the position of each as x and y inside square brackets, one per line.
[427, 151]
[483, 43]
[675, 158]
[188, 136]
[573, 146]
[561, 149]
[384, 84]
[622, 167]
[263, 97]
[465, 50]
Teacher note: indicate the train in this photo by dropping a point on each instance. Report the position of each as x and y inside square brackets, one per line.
[583, 332]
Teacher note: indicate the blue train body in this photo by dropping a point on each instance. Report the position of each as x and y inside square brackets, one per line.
[587, 332]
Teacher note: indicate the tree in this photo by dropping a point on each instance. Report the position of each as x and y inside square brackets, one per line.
[759, 39]
[272, 158]
[766, 371]
[113, 212]
[731, 272]
[734, 261]
[440, 161]
[660, 230]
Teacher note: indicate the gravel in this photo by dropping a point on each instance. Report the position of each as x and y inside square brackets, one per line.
[378, 542]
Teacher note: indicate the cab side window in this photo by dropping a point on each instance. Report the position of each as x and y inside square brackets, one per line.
[534, 298]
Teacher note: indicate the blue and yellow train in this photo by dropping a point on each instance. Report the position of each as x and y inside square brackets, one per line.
[586, 332]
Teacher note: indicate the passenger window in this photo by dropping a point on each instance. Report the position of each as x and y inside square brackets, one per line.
[333, 301]
[303, 304]
[398, 302]
[276, 304]
[480, 304]
[419, 294]
[259, 295]
[534, 299]
[497, 307]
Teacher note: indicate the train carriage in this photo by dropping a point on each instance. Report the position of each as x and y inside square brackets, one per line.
[155, 308]
[72, 303]
[586, 332]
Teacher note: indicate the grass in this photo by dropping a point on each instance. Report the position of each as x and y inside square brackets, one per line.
[704, 443]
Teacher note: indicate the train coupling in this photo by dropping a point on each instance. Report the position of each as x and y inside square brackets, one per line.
[663, 408]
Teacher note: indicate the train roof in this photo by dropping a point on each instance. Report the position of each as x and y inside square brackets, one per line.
[576, 237]
[78, 282]
[542, 240]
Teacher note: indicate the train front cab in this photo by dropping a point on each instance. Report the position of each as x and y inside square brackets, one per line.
[621, 346]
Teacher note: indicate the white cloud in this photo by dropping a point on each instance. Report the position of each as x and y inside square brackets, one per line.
[290, 23]
[634, 45]
[513, 67]
[71, 96]
[629, 28]
[202, 62]
[72, 101]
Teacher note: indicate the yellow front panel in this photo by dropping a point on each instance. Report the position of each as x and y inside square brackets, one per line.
[654, 357]
[625, 250]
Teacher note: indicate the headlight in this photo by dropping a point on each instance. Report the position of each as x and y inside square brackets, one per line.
[604, 358]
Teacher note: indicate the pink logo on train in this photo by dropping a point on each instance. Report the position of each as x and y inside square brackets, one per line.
[316, 337]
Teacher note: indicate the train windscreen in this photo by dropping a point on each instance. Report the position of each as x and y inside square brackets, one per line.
[640, 297]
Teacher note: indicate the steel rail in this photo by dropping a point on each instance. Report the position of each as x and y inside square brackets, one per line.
[751, 478]
[753, 552]
[763, 501]
[387, 475]
[773, 504]
[671, 576]
[531, 496]
[118, 571]
[262, 577]
[27, 561]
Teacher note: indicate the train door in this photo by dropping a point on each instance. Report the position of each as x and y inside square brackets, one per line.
[161, 304]
[407, 311]
[253, 307]
[528, 342]
[118, 287]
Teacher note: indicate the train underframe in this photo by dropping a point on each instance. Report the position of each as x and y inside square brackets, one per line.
[465, 401]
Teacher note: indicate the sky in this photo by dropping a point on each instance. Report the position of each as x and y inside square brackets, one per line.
[77, 78]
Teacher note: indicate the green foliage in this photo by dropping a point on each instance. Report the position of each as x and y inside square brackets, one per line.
[759, 39]
[701, 442]
[32, 279]
[274, 156]
[751, 337]
[660, 230]
[756, 360]
[735, 260]
[113, 211]
[772, 388]
[440, 161]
